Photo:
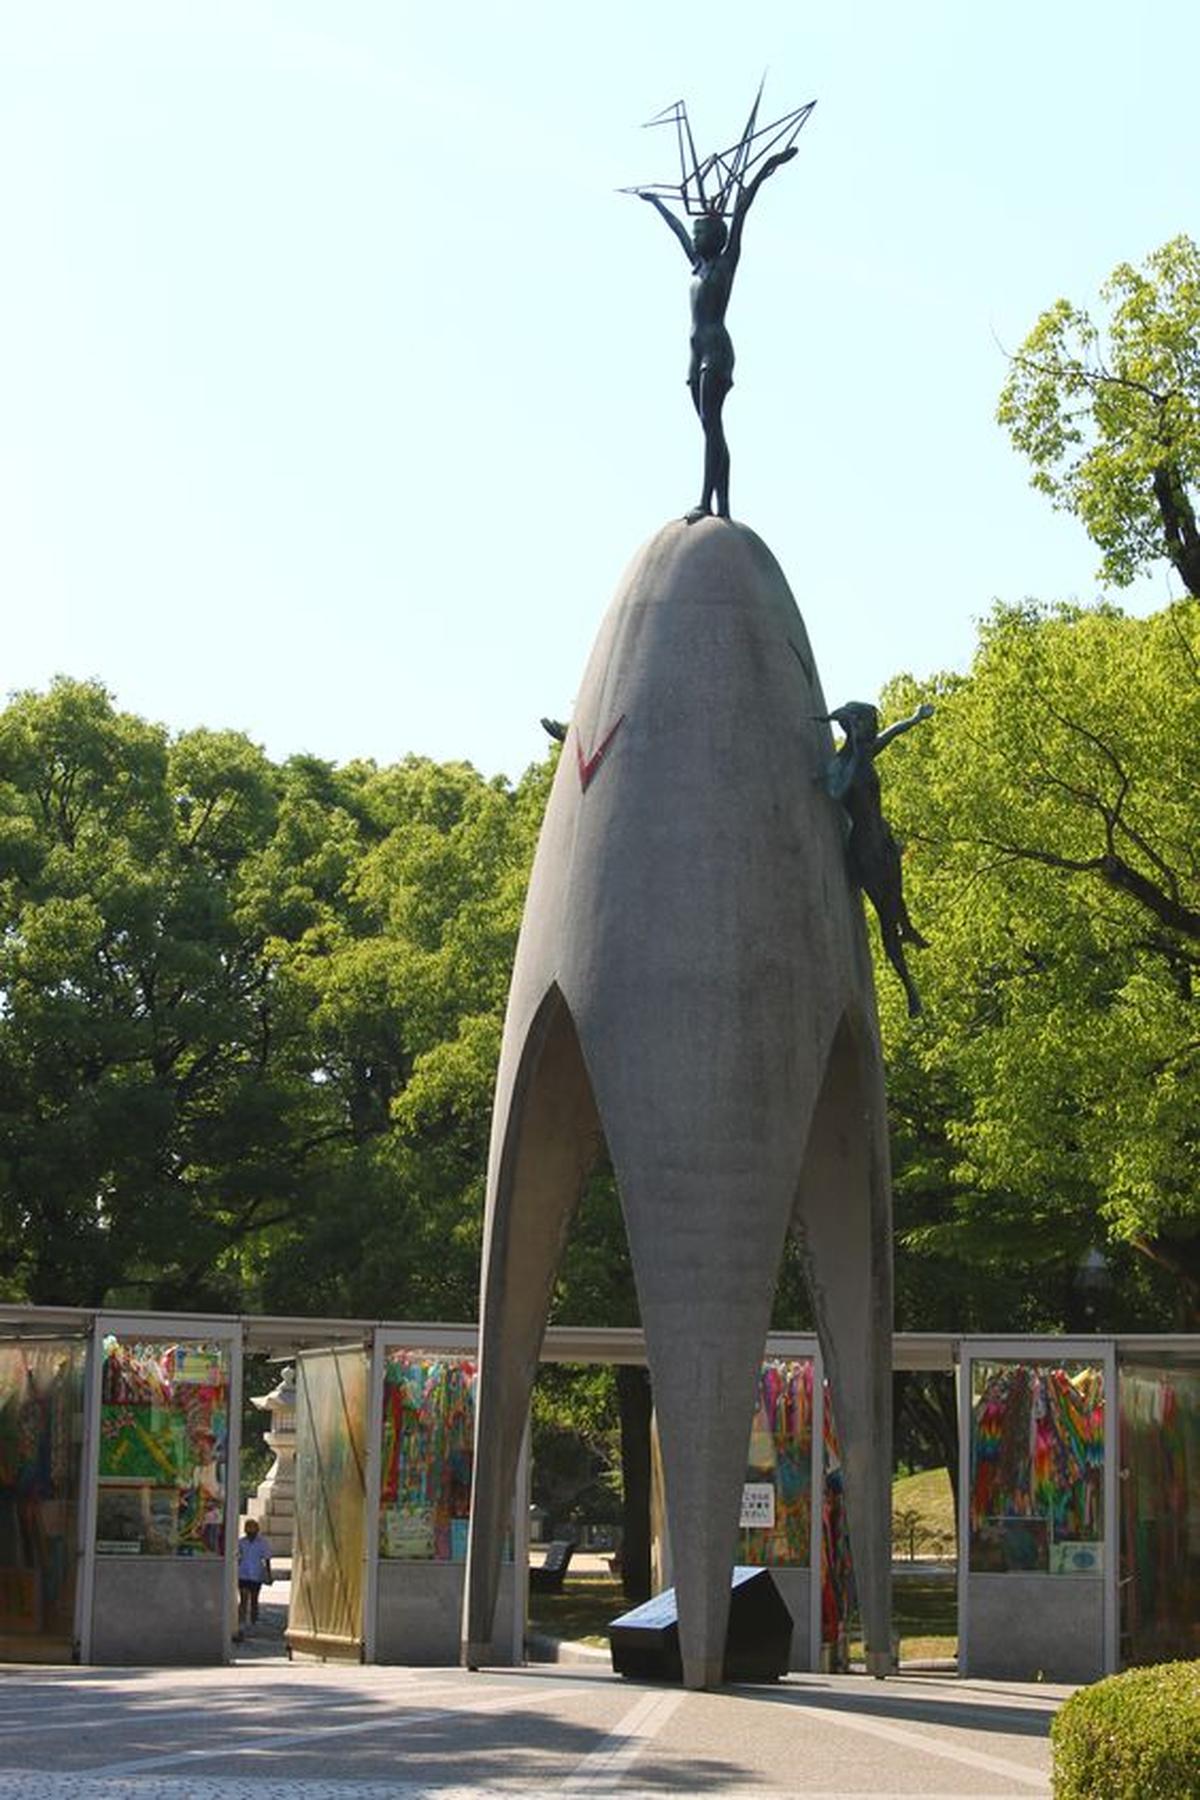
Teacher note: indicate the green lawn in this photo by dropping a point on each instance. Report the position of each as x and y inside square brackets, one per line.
[923, 1612]
[925, 1616]
[924, 1608]
[582, 1611]
[923, 1514]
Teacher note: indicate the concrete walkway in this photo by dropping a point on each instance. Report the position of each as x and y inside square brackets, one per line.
[262, 1731]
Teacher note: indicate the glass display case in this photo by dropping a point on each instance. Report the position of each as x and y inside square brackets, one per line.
[425, 1425]
[160, 1575]
[776, 1526]
[41, 1439]
[1160, 1508]
[1037, 1585]
[426, 1457]
[1037, 1468]
[838, 1599]
[327, 1617]
[164, 1430]
[776, 1521]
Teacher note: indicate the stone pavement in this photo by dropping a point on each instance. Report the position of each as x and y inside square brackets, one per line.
[262, 1731]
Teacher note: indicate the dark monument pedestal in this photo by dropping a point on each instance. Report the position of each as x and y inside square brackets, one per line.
[645, 1642]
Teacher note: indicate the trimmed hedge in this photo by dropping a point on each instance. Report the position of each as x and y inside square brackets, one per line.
[1133, 1737]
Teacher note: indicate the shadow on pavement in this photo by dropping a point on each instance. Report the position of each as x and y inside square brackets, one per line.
[314, 1730]
[958, 1708]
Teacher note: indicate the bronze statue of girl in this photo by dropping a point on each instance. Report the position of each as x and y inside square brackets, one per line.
[713, 252]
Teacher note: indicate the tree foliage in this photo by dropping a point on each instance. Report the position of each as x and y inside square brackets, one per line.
[1050, 1105]
[249, 1015]
[1109, 414]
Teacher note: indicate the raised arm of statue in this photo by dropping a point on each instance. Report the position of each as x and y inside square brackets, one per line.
[664, 212]
[924, 711]
[746, 199]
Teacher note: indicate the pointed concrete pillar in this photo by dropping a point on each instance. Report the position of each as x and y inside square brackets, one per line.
[693, 982]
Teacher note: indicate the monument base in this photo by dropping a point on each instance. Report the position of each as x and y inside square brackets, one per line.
[645, 1641]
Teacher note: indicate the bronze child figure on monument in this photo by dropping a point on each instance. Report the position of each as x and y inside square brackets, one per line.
[713, 251]
[871, 849]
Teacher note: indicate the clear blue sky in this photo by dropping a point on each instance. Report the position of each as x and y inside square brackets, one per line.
[338, 385]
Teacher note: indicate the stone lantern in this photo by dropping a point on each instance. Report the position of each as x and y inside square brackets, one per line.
[274, 1502]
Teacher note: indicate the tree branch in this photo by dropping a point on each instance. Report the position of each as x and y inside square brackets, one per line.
[1113, 871]
[1179, 526]
[1117, 873]
[1181, 1259]
[1112, 812]
[1094, 378]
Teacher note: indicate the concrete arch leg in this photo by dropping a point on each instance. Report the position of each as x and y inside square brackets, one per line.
[705, 1320]
[843, 1222]
[549, 1144]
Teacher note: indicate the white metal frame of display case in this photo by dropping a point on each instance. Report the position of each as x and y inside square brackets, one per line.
[1043, 1351]
[816, 1524]
[374, 1478]
[89, 1486]
[162, 1328]
[281, 1337]
[799, 1347]
[437, 1340]
[817, 1493]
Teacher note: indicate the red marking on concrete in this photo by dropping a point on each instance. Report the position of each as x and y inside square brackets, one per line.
[587, 766]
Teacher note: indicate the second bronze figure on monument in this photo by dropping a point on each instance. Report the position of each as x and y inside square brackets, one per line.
[871, 849]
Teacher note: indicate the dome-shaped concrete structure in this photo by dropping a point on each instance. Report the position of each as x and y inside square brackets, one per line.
[693, 984]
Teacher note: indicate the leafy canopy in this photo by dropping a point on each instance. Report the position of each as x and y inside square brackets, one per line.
[1108, 414]
[1050, 1103]
[249, 1016]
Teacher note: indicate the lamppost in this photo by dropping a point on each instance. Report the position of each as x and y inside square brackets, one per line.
[1091, 1280]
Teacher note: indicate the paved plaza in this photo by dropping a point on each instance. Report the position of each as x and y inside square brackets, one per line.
[262, 1729]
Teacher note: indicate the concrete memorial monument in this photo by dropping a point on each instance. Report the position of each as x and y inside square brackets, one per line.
[693, 986]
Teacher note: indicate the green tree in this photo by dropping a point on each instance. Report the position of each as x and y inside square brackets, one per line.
[140, 1036]
[249, 1015]
[1050, 1103]
[1109, 414]
[404, 982]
